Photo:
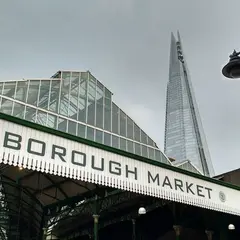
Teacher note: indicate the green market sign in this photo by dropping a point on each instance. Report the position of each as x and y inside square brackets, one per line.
[41, 151]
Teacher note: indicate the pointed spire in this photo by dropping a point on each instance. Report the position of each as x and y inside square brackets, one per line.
[173, 39]
[178, 73]
[173, 60]
[178, 36]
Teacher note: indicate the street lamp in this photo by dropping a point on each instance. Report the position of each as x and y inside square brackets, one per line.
[231, 227]
[232, 68]
[141, 211]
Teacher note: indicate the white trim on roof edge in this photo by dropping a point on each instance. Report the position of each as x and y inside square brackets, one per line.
[36, 150]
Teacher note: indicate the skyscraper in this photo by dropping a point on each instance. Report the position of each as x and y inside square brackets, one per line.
[184, 135]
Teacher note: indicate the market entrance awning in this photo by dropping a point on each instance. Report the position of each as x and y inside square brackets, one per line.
[60, 156]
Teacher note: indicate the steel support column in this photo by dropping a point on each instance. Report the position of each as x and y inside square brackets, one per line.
[95, 233]
[177, 229]
[133, 229]
[44, 236]
[95, 218]
[209, 234]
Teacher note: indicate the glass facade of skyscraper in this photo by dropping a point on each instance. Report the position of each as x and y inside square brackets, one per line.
[77, 103]
[184, 135]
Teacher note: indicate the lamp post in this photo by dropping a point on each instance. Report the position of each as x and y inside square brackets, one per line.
[133, 229]
[141, 211]
[209, 234]
[231, 229]
[177, 229]
[232, 68]
[95, 218]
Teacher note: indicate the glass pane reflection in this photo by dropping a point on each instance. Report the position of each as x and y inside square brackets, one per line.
[107, 139]
[68, 101]
[123, 144]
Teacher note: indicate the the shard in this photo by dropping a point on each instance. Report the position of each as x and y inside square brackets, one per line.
[184, 135]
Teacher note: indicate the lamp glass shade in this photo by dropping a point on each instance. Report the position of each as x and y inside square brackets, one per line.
[232, 68]
[235, 71]
[231, 227]
[141, 211]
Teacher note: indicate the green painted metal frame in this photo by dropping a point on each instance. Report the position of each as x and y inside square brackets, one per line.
[99, 206]
[24, 201]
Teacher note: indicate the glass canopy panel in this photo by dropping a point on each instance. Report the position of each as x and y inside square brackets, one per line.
[107, 139]
[123, 124]
[9, 89]
[99, 105]
[64, 97]
[144, 151]
[7, 106]
[123, 144]
[99, 113]
[54, 96]
[30, 114]
[72, 127]
[115, 118]
[91, 101]
[136, 132]
[108, 94]
[51, 121]
[137, 147]
[41, 118]
[144, 137]
[44, 94]
[1, 87]
[107, 114]
[21, 91]
[151, 153]
[18, 110]
[33, 92]
[130, 146]
[74, 94]
[99, 136]
[81, 131]
[115, 141]
[129, 128]
[80, 97]
[90, 133]
[62, 124]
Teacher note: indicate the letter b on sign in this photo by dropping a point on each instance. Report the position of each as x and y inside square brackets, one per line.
[12, 141]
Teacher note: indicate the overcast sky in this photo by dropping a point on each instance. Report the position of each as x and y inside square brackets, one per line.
[125, 44]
